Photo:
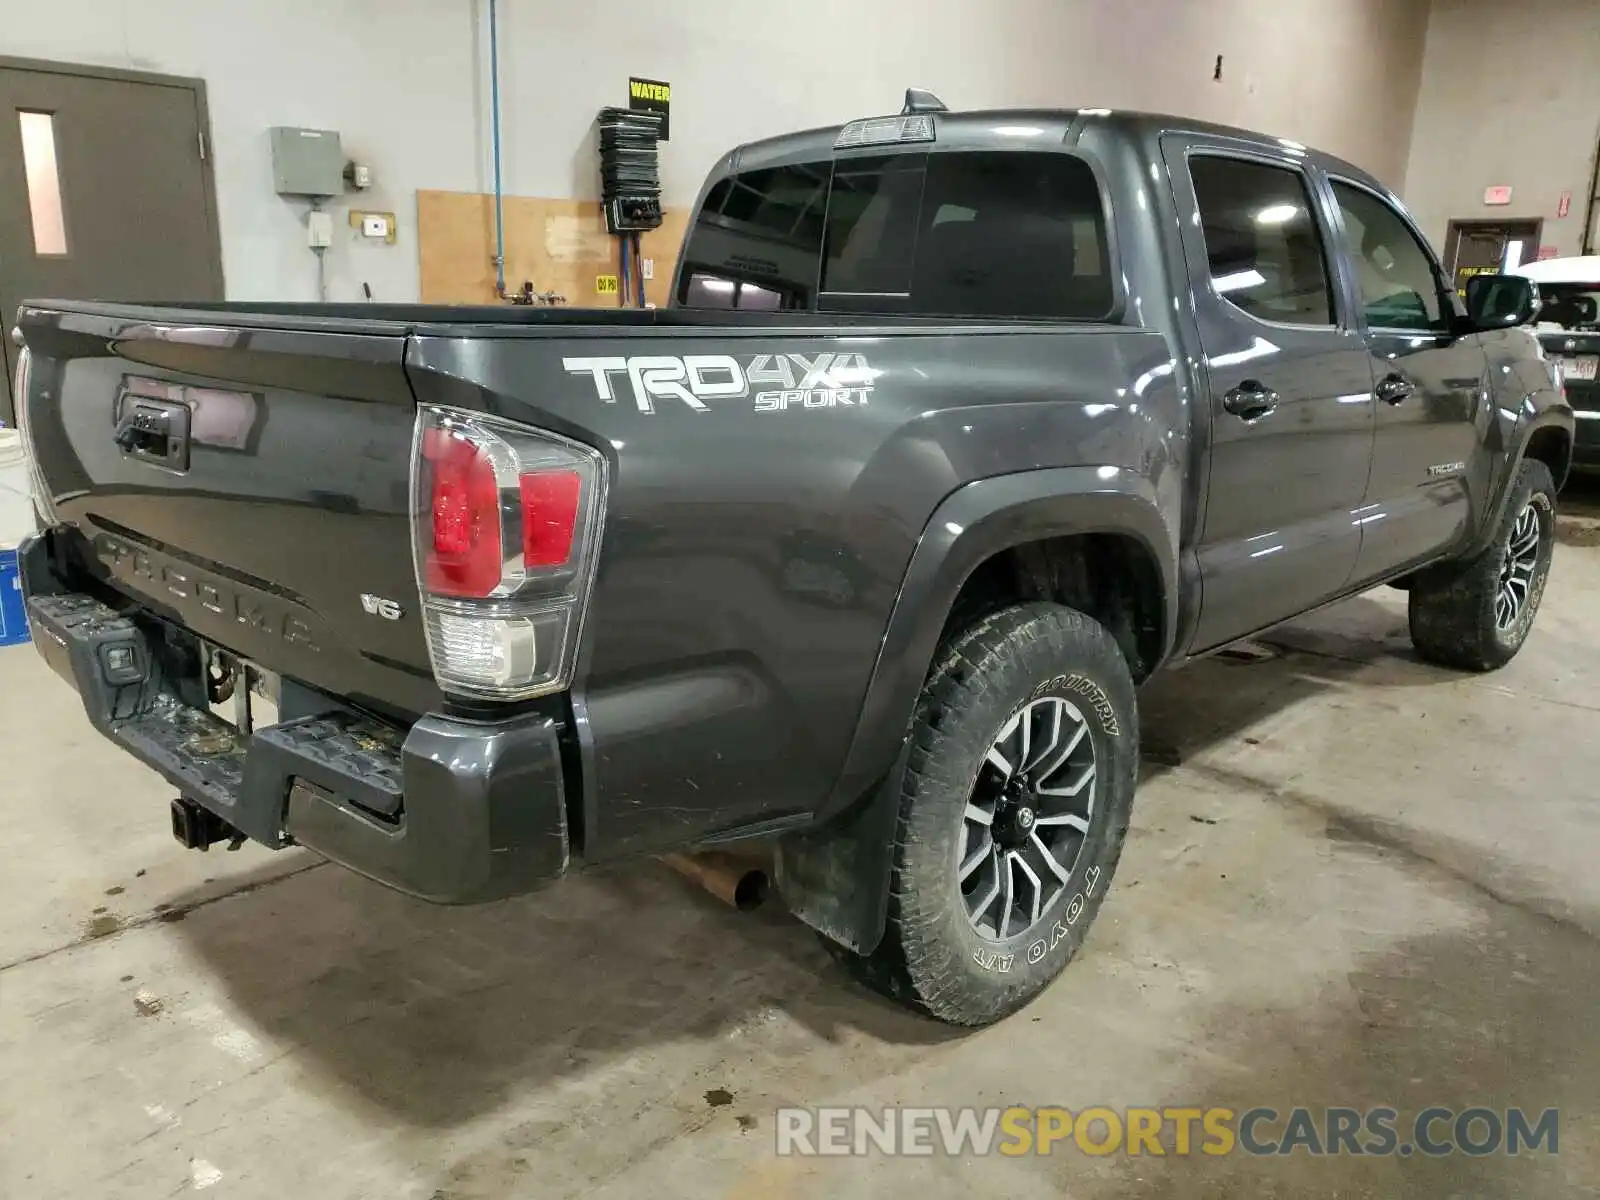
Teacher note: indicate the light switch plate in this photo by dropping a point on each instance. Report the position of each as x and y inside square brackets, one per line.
[649, 268]
[374, 225]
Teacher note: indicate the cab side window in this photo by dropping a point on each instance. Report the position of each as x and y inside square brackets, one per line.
[1400, 288]
[1266, 255]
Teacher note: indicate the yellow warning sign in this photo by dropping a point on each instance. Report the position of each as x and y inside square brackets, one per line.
[605, 285]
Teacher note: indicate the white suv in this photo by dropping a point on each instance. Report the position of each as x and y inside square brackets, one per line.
[1569, 329]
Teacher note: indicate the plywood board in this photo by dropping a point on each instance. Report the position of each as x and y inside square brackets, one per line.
[561, 245]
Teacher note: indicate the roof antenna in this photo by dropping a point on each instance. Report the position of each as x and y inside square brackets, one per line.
[920, 101]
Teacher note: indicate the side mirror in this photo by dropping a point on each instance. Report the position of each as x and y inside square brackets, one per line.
[1501, 301]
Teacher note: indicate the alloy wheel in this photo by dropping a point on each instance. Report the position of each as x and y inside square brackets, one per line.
[1028, 817]
[1516, 574]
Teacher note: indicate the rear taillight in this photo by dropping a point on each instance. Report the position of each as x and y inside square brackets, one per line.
[550, 501]
[463, 554]
[506, 524]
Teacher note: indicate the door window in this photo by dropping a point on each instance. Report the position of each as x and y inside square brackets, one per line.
[1266, 254]
[1400, 287]
[44, 181]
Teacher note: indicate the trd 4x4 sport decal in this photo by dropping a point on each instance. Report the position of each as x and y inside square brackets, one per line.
[792, 380]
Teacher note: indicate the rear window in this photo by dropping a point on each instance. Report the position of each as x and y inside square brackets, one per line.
[757, 241]
[1574, 307]
[982, 234]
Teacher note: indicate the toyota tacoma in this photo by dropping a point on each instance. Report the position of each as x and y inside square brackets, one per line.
[959, 427]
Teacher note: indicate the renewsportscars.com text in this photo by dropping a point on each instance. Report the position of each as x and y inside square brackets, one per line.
[1179, 1131]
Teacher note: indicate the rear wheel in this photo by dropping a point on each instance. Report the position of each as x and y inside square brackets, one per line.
[1013, 812]
[1475, 615]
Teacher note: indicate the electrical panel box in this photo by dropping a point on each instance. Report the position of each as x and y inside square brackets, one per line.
[307, 162]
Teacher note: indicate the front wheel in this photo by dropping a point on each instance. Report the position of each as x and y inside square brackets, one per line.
[1475, 615]
[1013, 811]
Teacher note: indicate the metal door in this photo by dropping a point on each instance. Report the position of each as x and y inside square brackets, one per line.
[1430, 456]
[1290, 387]
[1474, 247]
[105, 191]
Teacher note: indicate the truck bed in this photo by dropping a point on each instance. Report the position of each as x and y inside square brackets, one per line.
[754, 544]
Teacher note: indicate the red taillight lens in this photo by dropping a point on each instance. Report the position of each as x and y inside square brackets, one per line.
[505, 527]
[549, 516]
[464, 556]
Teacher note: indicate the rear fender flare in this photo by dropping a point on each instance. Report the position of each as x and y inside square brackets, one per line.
[835, 875]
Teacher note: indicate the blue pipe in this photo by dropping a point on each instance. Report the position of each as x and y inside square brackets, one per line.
[494, 109]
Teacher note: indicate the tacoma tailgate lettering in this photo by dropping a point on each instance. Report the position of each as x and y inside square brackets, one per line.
[139, 569]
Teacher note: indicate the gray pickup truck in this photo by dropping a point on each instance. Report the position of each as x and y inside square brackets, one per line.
[960, 426]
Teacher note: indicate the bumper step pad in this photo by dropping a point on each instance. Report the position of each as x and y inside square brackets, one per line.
[243, 778]
[203, 755]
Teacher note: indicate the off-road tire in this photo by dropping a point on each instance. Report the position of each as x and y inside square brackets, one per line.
[1452, 606]
[931, 956]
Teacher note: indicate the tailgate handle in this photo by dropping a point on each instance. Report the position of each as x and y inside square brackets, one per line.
[136, 437]
[156, 431]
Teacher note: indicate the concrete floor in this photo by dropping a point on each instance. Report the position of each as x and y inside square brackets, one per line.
[1367, 882]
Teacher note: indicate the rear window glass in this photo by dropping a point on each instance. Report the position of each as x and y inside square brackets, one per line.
[980, 234]
[872, 224]
[757, 241]
[1571, 306]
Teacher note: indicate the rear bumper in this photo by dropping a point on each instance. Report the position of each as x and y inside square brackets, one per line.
[451, 811]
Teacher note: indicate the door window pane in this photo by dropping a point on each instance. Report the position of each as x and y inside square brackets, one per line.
[44, 182]
[1261, 236]
[1399, 287]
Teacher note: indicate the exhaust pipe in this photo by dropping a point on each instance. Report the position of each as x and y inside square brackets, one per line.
[739, 880]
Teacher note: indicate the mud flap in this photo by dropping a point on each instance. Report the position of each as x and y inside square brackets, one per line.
[835, 878]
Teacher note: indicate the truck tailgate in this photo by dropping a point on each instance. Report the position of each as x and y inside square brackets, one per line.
[247, 477]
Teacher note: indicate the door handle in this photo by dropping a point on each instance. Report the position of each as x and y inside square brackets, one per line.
[1251, 399]
[1394, 389]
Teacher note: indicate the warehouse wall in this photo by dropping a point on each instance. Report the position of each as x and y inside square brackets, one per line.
[1510, 95]
[404, 82]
